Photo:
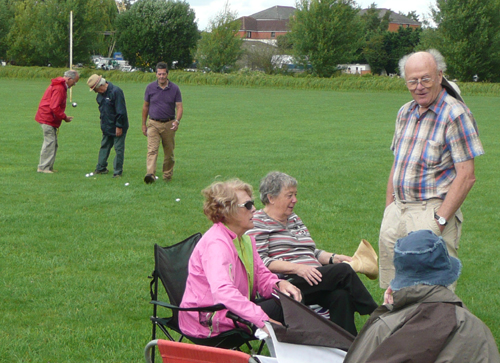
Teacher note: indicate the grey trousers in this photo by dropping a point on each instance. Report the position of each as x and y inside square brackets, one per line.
[49, 147]
[107, 143]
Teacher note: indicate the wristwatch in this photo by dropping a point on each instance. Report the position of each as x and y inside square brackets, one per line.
[441, 220]
[330, 261]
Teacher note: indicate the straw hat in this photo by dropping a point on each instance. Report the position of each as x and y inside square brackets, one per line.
[95, 81]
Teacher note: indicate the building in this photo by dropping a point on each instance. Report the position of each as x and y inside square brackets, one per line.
[396, 20]
[270, 23]
[266, 24]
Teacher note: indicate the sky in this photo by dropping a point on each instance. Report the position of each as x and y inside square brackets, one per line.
[208, 9]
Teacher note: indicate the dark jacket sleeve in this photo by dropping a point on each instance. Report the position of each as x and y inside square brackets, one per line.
[120, 109]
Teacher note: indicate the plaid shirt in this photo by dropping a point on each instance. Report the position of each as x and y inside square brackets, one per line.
[427, 146]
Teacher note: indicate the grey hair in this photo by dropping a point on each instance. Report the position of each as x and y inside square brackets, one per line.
[71, 74]
[273, 183]
[438, 58]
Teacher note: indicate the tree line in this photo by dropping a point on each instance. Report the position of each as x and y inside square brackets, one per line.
[323, 34]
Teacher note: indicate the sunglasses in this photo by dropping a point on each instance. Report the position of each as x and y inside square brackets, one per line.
[248, 205]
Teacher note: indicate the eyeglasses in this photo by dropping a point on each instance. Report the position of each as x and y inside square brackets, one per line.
[412, 84]
[248, 205]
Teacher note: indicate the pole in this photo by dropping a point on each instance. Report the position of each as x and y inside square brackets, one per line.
[71, 50]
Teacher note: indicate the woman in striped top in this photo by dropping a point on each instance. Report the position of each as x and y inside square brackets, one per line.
[286, 247]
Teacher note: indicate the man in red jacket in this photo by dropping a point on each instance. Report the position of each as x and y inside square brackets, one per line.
[50, 115]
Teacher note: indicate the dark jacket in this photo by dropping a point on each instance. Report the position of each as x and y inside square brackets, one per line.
[53, 103]
[113, 110]
[425, 324]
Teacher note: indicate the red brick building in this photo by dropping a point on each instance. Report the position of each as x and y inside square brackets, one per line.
[270, 23]
[396, 20]
[266, 24]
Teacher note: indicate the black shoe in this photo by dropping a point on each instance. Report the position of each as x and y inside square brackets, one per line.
[149, 179]
[117, 175]
[105, 171]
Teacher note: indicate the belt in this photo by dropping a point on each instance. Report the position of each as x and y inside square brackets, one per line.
[162, 119]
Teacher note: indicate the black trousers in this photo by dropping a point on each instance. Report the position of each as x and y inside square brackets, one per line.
[341, 291]
[272, 308]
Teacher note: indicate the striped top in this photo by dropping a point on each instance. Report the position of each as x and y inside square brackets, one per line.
[427, 147]
[276, 242]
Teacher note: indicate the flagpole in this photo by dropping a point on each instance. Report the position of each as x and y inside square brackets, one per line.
[71, 50]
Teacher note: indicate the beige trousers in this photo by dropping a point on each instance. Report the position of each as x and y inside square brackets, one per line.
[49, 148]
[161, 132]
[401, 218]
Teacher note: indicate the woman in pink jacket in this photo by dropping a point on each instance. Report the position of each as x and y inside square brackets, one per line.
[225, 267]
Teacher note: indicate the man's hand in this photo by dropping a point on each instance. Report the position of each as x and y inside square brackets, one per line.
[290, 290]
[144, 129]
[441, 228]
[388, 299]
[69, 118]
[309, 273]
[119, 131]
[175, 125]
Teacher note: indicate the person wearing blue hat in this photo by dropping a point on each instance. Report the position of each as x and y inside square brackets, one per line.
[422, 320]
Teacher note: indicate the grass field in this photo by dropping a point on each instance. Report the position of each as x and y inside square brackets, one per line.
[76, 251]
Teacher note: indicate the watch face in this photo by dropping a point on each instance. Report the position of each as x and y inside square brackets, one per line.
[442, 221]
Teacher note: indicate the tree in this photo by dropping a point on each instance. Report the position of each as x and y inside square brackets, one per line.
[261, 56]
[7, 11]
[398, 44]
[325, 33]
[39, 34]
[374, 49]
[220, 46]
[157, 30]
[468, 36]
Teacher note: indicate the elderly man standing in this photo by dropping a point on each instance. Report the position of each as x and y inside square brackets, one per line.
[163, 104]
[435, 143]
[114, 123]
[50, 114]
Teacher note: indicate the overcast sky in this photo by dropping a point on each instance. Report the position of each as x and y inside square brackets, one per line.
[207, 9]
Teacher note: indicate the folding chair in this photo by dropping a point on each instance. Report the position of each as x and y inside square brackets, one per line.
[171, 268]
[177, 352]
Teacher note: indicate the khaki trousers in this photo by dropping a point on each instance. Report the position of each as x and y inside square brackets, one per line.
[161, 132]
[49, 147]
[401, 218]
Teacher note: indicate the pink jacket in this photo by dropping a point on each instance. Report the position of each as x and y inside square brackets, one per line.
[53, 103]
[217, 275]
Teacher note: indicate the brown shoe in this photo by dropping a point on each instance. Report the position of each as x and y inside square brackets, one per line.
[45, 171]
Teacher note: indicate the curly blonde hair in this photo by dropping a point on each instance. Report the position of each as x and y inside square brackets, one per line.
[221, 200]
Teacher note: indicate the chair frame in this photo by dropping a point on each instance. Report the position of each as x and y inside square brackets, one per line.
[232, 339]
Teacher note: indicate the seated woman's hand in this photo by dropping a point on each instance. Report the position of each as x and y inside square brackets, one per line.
[290, 290]
[271, 321]
[308, 273]
[341, 258]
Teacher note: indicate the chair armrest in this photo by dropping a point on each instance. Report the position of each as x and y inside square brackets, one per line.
[235, 318]
[177, 308]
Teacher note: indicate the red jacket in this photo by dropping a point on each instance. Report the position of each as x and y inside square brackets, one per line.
[53, 104]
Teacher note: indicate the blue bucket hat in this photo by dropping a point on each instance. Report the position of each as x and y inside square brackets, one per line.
[422, 258]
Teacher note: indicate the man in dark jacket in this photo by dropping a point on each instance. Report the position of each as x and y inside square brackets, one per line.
[114, 123]
[422, 320]
[50, 114]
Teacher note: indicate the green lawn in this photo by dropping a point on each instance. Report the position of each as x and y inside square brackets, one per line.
[77, 251]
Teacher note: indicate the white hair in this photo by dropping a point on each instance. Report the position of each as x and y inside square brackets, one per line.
[436, 55]
[71, 74]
